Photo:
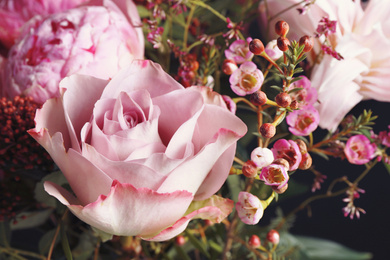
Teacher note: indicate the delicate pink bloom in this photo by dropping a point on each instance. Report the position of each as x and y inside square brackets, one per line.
[307, 95]
[326, 27]
[274, 175]
[15, 13]
[304, 121]
[92, 40]
[288, 150]
[384, 137]
[362, 37]
[351, 209]
[272, 50]
[249, 208]
[359, 149]
[262, 157]
[135, 169]
[155, 37]
[247, 79]
[239, 51]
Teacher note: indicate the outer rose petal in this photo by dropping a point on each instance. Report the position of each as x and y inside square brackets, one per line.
[215, 209]
[127, 211]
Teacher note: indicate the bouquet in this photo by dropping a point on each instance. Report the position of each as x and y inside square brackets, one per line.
[193, 129]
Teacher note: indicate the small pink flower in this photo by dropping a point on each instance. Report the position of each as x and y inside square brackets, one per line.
[272, 50]
[326, 27]
[359, 149]
[239, 51]
[274, 175]
[288, 150]
[262, 157]
[249, 208]
[307, 95]
[247, 79]
[384, 138]
[303, 122]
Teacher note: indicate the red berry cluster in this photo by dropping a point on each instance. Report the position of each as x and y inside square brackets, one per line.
[188, 68]
[19, 151]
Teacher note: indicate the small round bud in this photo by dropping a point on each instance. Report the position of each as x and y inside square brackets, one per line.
[280, 190]
[282, 162]
[294, 104]
[273, 236]
[256, 46]
[180, 240]
[283, 99]
[283, 43]
[229, 66]
[249, 169]
[281, 28]
[302, 146]
[306, 162]
[254, 241]
[267, 130]
[308, 42]
[258, 98]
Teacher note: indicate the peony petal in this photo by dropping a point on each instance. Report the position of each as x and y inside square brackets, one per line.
[214, 209]
[127, 211]
[141, 74]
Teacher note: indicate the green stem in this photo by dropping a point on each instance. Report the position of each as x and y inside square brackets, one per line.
[206, 6]
[17, 252]
[186, 29]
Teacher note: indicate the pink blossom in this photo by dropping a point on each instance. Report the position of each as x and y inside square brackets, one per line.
[262, 157]
[288, 150]
[359, 149]
[361, 38]
[92, 40]
[247, 79]
[274, 175]
[384, 137]
[304, 121]
[272, 50]
[249, 208]
[124, 154]
[15, 13]
[307, 95]
[239, 51]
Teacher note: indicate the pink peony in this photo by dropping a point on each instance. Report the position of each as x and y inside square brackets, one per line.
[359, 149]
[15, 13]
[288, 150]
[304, 121]
[249, 208]
[92, 40]
[142, 154]
[362, 37]
[274, 175]
[247, 79]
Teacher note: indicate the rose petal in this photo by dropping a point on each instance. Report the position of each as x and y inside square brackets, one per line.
[127, 211]
[215, 209]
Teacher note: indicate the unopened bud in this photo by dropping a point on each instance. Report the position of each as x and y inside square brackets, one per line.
[306, 161]
[283, 162]
[256, 46]
[281, 28]
[280, 190]
[283, 43]
[267, 130]
[254, 241]
[249, 169]
[294, 104]
[283, 99]
[302, 146]
[258, 98]
[229, 66]
[180, 240]
[308, 42]
[273, 236]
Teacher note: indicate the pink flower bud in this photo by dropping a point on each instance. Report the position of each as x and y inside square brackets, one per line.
[282, 28]
[249, 169]
[267, 130]
[273, 236]
[262, 157]
[258, 98]
[229, 66]
[256, 46]
[254, 241]
[249, 208]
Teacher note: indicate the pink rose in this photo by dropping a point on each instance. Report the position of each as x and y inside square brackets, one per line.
[16, 13]
[362, 37]
[359, 149]
[66, 43]
[142, 154]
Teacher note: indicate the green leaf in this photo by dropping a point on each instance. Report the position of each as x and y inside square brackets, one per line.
[387, 166]
[65, 244]
[181, 253]
[322, 249]
[198, 244]
[5, 233]
[31, 219]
